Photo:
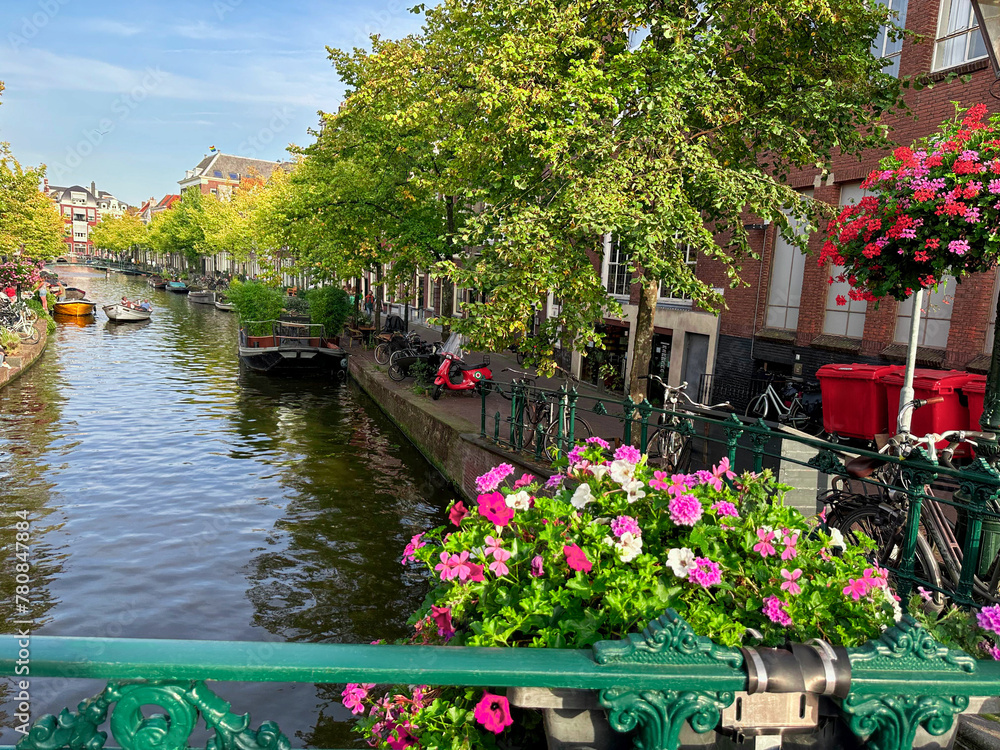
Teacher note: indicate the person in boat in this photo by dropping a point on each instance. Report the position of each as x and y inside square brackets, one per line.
[146, 306]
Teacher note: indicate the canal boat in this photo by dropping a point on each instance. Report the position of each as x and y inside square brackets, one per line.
[157, 282]
[278, 347]
[77, 308]
[202, 296]
[122, 313]
[222, 303]
[71, 293]
[178, 287]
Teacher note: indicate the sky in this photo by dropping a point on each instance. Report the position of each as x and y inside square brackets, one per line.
[131, 94]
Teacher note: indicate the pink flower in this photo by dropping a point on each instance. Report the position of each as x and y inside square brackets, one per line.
[790, 551]
[524, 481]
[925, 594]
[493, 712]
[576, 558]
[725, 508]
[720, 472]
[415, 544]
[764, 546]
[632, 455]
[400, 738]
[353, 695]
[685, 510]
[537, 569]
[493, 545]
[554, 481]
[442, 618]
[855, 588]
[774, 608]
[445, 566]
[959, 247]
[494, 508]
[598, 441]
[492, 478]
[457, 513]
[475, 573]
[707, 573]
[499, 567]
[623, 524]
[790, 584]
[659, 480]
[990, 649]
[989, 618]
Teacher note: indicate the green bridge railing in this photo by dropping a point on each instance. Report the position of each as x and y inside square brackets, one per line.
[651, 684]
[539, 422]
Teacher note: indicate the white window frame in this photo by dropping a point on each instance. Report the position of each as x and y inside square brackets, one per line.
[672, 295]
[970, 32]
[885, 49]
[622, 278]
[938, 307]
[782, 311]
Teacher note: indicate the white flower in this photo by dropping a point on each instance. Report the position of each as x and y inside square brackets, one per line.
[629, 546]
[681, 561]
[897, 611]
[598, 470]
[837, 539]
[635, 490]
[622, 472]
[518, 501]
[582, 496]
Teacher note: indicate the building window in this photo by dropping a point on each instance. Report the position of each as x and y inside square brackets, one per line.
[849, 319]
[787, 265]
[958, 38]
[935, 316]
[618, 278]
[233, 176]
[883, 46]
[671, 294]
[217, 173]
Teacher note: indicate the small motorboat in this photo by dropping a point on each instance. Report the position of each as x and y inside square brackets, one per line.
[77, 308]
[178, 287]
[202, 296]
[71, 293]
[127, 312]
[157, 282]
[222, 303]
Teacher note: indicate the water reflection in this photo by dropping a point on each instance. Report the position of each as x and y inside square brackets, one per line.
[178, 497]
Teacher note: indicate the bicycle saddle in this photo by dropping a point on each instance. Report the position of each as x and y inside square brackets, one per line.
[863, 467]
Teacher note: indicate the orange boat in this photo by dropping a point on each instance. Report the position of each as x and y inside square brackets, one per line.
[77, 308]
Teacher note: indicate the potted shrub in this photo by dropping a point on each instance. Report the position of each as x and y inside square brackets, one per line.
[295, 310]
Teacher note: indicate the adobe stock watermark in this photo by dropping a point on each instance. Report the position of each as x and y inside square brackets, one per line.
[121, 108]
[31, 26]
[377, 21]
[254, 144]
[223, 8]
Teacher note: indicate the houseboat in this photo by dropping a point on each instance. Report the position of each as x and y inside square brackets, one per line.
[275, 346]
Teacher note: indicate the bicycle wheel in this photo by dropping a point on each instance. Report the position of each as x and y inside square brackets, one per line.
[396, 372]
[382, 354]
[802, 421]
[669, 451]
[886, 531]
[581, 431]
[29, 335]
[757, 409]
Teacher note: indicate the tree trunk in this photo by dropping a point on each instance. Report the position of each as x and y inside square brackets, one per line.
[642, 337]
[378, 297]
[447, 285]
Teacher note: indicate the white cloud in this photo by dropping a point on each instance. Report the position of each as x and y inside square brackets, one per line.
[206, 31]
[109, 26]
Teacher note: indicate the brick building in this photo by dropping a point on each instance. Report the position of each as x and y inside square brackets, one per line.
[787, 319]
[220, 174]
[81, 209]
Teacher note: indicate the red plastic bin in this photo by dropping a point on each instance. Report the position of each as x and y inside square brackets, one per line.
[975, 391]
[947, 415]
[854, 400]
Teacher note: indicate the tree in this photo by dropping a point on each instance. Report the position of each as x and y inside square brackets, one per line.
[30, 224]
[181, 230]
[120, 235]
[585, 130]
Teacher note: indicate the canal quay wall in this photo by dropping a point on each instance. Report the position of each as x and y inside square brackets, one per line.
[27, 355]
[443, 431]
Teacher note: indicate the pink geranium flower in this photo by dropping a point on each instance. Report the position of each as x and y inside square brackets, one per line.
[354, 694]
[524, 481]
[494, 508]
[791, 578]
[493, 712]
[576, 558]
[764, 546]
[790, 550]
[774, 608]
[457, 513]
[685, 510]
[855, 588]
[415, 543]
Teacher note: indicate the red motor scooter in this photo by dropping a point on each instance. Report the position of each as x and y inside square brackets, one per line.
[454, 374]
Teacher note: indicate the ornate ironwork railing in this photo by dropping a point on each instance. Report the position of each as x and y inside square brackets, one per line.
[540, 422]
[651, 684]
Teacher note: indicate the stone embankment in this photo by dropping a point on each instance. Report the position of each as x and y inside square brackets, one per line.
[26, 356]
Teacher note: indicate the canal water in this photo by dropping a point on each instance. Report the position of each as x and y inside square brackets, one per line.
[173, 495]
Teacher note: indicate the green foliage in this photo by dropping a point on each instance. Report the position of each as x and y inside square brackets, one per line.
[9, 340]
[329, 306]
[255, 301]
[297, 305]
[30, 225]
[36, 305]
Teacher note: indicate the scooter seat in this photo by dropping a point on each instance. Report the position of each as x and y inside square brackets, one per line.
[480, 366]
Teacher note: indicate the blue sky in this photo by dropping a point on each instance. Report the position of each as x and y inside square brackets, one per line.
[131, 94]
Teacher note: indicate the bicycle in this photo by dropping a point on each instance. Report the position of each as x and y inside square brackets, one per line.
[536, 410]
[669, 447]
[21, 319]
[788, 408]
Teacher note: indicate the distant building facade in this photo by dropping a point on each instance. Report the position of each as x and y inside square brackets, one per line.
[82, 208]
[220, 174]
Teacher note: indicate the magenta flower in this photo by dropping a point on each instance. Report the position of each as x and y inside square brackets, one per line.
[494, 508]
[989, 618]
[493, 712]
[442, 618]
[725, 508]
[790, 541]
[707, 573]
[598, 441]
[524, 481]
[475, 573]
[400, 738]
[445, 567]
[718, 473]
[632, 455]
[554, 481]
[576, 558]
[659, 480]
[856, 588]
[685, 510]
[790, 584]
[624, 524]
[492, 478]
[925, 594]
[764, 546]
[959, 247]
[353, 695]
[537, 569]
[990, 649]
[574, 454]
[457, 513]
[774, 609]
[415, 544]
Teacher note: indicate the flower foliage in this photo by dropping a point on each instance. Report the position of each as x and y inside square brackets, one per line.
[569, 563]
[933, 210]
